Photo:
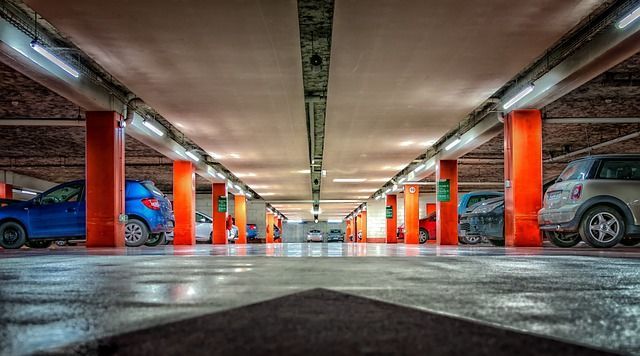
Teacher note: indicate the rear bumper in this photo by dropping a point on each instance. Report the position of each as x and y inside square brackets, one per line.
[562, 219]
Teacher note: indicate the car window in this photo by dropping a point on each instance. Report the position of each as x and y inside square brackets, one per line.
[478, 198]
[431, 217]
[335, 231]
[577, 170]
[620, 169]
[68, 193]
[201, 218]
[152, 188]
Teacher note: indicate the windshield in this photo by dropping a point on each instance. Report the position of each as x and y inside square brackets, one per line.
[334, 231]
[577, 170]
[314, 231]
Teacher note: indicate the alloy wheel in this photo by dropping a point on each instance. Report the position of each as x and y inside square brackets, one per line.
[604, 227]
[10, 236]
[132, 233]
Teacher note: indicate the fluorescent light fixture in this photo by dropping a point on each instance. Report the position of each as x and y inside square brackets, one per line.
[324, 172]
[55, 60]
[249, 195]
[349, 180]
[332, 221]
[180, 154]
[420, 168]
[316, 212]
[378, 197]
[192, 156]
[453, 144]
[431, 164]
[631, 17]
[406, 143]
[294, 221]
[304, 171]
[315, 221]
[152, 127]
[234, 155]
[395, 187]
[526, 91]
[237, 187]
[212, 172]
[401, 180]
[214, 155]
[220, 175]
[388, 191]
[28, 192]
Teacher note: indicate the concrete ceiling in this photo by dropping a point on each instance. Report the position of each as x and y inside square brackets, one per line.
[226, 73]
[402, 76]
[376, 102]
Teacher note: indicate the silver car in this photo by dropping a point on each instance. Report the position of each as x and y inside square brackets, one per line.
[315, 236]
[595, 199]
[204, 228]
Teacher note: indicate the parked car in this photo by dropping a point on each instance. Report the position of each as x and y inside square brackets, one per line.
[335, 235]
[315, 236]
[204, 229]
[427, 229]
[252, 232]
[60, 214]
[595, 199]
[484, 220]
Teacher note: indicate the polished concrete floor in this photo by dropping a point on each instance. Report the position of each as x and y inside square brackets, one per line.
[53, 297]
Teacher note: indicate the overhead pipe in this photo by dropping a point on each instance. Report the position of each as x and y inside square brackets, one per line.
[594, 147]
[592, 120]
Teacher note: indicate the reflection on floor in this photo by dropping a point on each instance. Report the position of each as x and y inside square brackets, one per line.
[50, 298]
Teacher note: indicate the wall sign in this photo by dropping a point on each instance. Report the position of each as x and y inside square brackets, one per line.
[443, 190]
[222, 204]
[389, 212]
[412, 190]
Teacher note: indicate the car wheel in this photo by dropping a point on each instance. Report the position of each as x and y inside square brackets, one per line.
[495, 242]
[563, 239]
[38, 244]
[135, 233]
[602, 227]
[156, 239]
[12, 235]
[629, 242]
[470, 239]
[424, 236]
[61, 243]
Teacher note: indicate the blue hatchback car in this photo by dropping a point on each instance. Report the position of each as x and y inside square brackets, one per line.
[60, 214]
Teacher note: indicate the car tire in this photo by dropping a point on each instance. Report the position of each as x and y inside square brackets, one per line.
[156, 239]
[629, 241]
[496, 242]
[465, 239]
[61, 243]
[423, 236]
[12, 235]
[563, 239]
[39, 243]
[135, 233]
[602, 227]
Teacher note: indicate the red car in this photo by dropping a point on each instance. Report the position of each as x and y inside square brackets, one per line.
[427, 229]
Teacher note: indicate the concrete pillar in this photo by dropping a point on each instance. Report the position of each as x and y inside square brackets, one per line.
[184, 203]
[391, 207]
[349, 229]
[411, 214]
[364, 225]
[219, 213]
[105, 184]
[269, 229]
[279, 224]
[240, 212]
[447, 209]
[523, 177]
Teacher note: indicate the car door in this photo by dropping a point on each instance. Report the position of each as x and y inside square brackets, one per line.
[56, 212]
[203, 226]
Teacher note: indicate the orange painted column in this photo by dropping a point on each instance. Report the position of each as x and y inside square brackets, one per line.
[219, 213]
[358, 227]
[240, 212]
[364, 225]
[348, 230]
[6, 191]
[392, 222]
[430, 208]
[269, 232]
[523, 177]
[447, 211]
[411, 214]
[279, 224]
[104, 172]
[184, 203]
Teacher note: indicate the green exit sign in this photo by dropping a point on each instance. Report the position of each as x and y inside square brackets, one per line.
[443, 190]
[222, 204]
[389, 212]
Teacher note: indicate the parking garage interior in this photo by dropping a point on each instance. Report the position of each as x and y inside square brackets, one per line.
[366, 177]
